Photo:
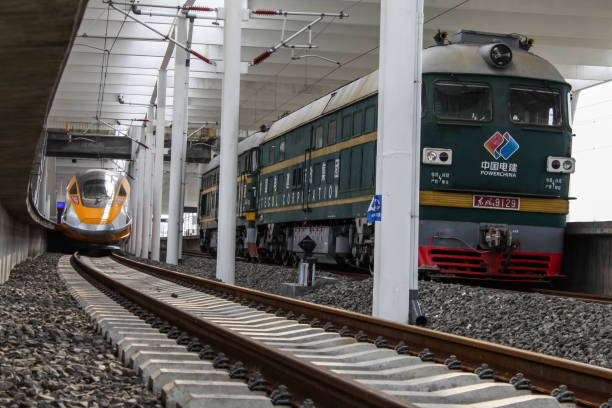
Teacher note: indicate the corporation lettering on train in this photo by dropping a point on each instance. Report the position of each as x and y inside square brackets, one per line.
[498, 169]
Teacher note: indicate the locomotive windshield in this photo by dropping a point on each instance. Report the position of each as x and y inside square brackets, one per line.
[98, 189]
[462, 101]
[529, 106]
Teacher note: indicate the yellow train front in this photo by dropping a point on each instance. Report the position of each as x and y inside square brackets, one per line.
[96, 209]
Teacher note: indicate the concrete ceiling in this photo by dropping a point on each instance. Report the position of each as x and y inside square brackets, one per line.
[574, 36]
[35, 41]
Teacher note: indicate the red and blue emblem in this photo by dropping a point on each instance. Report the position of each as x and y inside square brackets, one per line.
[501, 145]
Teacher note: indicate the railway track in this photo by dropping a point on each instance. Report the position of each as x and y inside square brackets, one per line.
[361, 370]
[585, 297]
[334, 269]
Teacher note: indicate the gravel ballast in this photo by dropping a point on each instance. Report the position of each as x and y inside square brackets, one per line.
[556, 326]
[50, 354]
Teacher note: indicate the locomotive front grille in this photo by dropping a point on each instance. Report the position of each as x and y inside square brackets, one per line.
[469, 262]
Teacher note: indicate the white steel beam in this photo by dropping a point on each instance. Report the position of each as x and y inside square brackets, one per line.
[147, 155]
[179, 129]
[139, 192]
[158, 172]
[228, 163]
[398, 146]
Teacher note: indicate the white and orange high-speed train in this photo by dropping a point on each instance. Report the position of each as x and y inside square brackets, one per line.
[96, 208]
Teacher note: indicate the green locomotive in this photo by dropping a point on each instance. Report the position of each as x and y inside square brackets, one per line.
[496, 159]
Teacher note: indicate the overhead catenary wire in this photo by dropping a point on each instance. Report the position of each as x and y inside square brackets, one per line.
[166, 37]
[341, 65]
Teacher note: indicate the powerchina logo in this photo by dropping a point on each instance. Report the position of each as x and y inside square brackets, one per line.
[501, 145]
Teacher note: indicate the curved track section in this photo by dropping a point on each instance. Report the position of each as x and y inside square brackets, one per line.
[351, 365]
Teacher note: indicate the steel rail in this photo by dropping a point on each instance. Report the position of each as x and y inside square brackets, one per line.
[591, 384]
[586, 297]
[304, 379]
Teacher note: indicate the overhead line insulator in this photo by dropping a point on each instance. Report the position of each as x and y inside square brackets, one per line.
[261, 57]
[196, 8]
[266, 12]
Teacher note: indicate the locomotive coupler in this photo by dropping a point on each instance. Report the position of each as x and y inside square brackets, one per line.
[497, 237]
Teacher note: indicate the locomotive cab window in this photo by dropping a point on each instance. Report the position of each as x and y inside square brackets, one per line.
[122, 192]
[97, 189]
[73, 189]
[532, 106]
[318, 137]
[281, 151]
[462, 101]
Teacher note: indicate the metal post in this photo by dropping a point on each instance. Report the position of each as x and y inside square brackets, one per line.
[179, 128]
[398, 146]
[139, 196]
[50, 211]
[230, 103]
[158, 171]
[146, 193]
[183, 178]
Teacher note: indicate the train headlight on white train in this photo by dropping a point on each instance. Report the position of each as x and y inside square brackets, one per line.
[555, 164]
[437, 156]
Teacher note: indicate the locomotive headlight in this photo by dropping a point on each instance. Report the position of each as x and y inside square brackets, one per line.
[437, 156]
[498, 55]
[560, 164]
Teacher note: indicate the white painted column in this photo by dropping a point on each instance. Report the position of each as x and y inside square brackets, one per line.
[50, 210]
[183, 178]
[398, 147]
[133, 200]
[230, 104]
[146, 197]
[139, 197]
[179, 137]
[158, 171]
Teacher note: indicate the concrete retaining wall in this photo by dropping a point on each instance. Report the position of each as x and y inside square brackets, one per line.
[588, 258]
[18, 241]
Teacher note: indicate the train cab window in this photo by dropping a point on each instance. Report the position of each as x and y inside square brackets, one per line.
[73, 189]
[281, 151]
[531, 106]
[97, 189]
[318, 137]
[271, 154]
[347, 127]
[254, 160]
[122, 192]
[331, 132]
[370, 119]
[357, 122]
[463, 101]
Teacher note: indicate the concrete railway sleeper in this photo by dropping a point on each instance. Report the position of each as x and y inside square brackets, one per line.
[356, 367]
[591, 384]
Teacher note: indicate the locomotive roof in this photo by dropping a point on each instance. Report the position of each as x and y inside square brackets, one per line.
[464, 58]
[247, 144]
[93, 174]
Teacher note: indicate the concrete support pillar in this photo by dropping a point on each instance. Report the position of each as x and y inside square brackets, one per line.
[139, 192]
[147, 185]
[50, 209]
[179, 138]
[398, 147]
[230, 103]
[158, 171]
[131, 248]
